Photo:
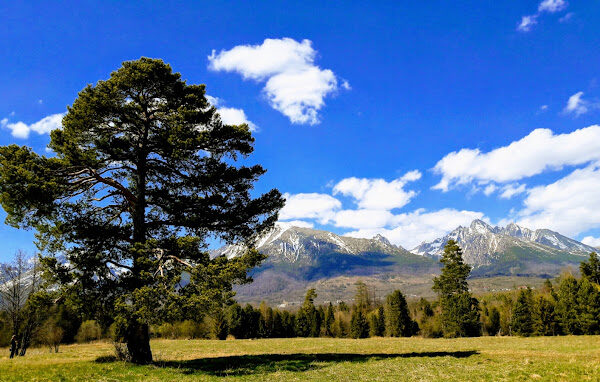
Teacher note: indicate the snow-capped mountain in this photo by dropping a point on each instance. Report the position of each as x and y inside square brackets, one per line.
[484, 245]
[286, 243]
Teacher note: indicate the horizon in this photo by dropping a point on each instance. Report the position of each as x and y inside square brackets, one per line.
[405, 120]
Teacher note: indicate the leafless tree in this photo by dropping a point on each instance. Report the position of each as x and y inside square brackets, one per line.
[18, 279]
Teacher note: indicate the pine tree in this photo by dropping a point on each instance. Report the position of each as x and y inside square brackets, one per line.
[460, 310]
[522, 321]
[397, 318]
[359, 328]
[144, 173]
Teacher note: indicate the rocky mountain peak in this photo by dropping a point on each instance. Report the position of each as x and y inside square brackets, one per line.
[480, 226]
[382, 239]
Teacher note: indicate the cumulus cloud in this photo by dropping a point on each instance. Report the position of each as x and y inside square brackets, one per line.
[321, 207]
[591, 241]
[378, 194]
[411, 229]
[570, 205]
[43, 126]
[294, 85]
[539, 151]
[231, 115]
[363, 218]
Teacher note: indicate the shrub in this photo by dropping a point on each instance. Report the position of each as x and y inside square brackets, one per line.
[88, 331]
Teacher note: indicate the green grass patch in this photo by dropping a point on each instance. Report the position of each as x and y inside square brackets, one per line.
[566, 358]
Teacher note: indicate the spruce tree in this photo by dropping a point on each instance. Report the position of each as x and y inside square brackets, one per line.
[544, 317]
[588, 301]
[359, 327]
[591, 268]
[494, 321]
[397, 318]
[328, 321]
[522, 318]
[306, 318]
[144, 174]
[219, 327]
[235, 322]
[377, 322]
[460, 310]
[567, 305]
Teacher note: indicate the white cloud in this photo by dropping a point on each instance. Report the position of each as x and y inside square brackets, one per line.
[511, 190]
[566, 18]
[309, 206]
[543, 107]
[570, 205]
[552, 6]
[411, 229]
[231, 115]
[539, 151]
[43, 126]
[489, 189]
[577, 106]
[378, 194]
[295, 86]
[591, 241]
[299, 223]
[527, 22]
[546, 6]
[363, 218]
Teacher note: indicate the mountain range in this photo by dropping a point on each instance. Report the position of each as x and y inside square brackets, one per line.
[299, 257]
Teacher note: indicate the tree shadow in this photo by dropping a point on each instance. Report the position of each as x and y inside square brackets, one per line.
[268, 363]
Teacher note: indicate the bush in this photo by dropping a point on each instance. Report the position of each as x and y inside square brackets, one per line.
[88, 331]
[51, 335]
[188, 329]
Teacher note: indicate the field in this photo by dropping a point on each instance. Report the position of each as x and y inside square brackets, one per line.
[323, 359]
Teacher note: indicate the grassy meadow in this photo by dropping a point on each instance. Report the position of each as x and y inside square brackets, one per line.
[569, 358]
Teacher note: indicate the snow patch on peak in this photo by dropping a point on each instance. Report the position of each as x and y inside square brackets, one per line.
[480, 226]
[382, 239]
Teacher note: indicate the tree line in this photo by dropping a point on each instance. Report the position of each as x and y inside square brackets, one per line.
[569, 305]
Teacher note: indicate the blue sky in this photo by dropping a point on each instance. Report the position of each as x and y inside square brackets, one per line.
[358, 107]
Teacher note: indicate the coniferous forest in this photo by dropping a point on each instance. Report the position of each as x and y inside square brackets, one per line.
[567, 305]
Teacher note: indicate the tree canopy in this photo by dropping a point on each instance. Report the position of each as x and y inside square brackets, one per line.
[145, 174]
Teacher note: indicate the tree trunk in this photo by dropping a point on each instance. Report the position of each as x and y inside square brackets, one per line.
[138, 343]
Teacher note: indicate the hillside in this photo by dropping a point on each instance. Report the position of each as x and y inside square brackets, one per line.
[299, 258]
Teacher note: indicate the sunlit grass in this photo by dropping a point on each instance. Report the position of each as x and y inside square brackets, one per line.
[416, 359]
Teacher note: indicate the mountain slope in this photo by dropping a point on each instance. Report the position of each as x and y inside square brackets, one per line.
[512, 250]
[298, 256]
